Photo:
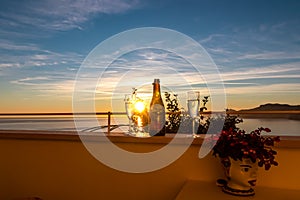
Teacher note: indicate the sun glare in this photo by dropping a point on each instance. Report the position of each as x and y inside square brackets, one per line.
[139, 106]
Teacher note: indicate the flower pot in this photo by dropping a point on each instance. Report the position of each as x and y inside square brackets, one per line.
[241, 176]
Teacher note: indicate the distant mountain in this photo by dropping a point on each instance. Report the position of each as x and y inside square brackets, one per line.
[230, 110]
[274, 107]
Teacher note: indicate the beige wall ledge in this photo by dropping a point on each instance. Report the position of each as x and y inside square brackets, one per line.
[57, 166]
[286, 141]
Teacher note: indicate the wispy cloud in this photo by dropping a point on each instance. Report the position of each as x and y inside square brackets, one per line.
[47, 86]
[271, 55]
[12, 46]
[211, 37]
[60, 15]
[115, 82]
[265, 71]
[264, 41]
[133, 70]
[267, 89]
[31, 81]
[27, 55]
[9, 65]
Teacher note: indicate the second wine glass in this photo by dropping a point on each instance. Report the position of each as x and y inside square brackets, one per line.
[193, 104]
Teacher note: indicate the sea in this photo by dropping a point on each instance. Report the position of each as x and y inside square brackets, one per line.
[278, 126]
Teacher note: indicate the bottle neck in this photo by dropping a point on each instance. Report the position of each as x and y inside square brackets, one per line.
[156, 90]
[156, 96]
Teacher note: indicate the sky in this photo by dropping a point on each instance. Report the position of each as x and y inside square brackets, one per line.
[255, 46]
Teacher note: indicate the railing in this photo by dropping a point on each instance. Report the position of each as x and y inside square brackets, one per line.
[111, 127]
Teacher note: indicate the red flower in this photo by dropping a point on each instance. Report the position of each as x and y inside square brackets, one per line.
[267, 130]
[238, 144]
[244, 143]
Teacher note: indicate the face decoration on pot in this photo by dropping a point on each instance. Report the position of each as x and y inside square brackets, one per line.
[241, 176]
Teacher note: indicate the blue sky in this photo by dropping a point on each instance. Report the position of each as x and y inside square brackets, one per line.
[255, 44]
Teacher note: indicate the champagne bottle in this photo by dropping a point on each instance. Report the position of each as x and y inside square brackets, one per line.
[157, 112]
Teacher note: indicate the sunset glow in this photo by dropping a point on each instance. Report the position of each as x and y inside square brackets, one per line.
[255, 46]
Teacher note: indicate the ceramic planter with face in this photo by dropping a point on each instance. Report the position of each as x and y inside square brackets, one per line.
[241, 176]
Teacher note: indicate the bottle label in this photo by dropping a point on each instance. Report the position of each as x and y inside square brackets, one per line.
[158, 118]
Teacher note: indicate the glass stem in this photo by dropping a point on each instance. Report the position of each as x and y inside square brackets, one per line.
[130, 126]
[193, 126]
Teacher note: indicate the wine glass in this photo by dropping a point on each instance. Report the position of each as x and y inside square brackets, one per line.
[140, 119]
[129, 107]
[193, 103]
